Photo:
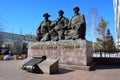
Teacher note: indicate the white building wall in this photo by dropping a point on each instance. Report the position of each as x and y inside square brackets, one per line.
[116, 4]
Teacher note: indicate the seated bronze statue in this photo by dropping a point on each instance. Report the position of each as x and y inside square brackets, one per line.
[44, 27]
[77, 26]
[60, 25]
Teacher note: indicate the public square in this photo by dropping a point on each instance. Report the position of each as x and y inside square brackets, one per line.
[9, 70]
[59, 40]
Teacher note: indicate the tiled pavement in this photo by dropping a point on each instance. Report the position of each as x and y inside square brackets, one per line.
[9, 70]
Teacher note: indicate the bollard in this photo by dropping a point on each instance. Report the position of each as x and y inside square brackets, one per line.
[1, 57]
[16, 57]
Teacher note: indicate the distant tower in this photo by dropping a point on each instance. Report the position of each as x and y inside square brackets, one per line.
[116, 4]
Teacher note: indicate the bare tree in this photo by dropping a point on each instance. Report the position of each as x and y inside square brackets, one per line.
[1, 35]
[102, 27]
[101, 30]
[93, 16]
[17, 48]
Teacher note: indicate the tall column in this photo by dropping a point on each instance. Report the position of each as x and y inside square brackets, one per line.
[116, 4]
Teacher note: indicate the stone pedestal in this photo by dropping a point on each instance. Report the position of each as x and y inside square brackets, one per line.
[71, 52]
[49, 66]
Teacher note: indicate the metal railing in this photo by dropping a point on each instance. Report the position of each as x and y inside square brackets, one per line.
[106, 54]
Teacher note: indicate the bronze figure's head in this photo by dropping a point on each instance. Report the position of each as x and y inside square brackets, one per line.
[76, 8]
[46, 15]
[61, 12]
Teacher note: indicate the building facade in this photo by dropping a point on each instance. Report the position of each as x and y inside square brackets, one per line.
[116, 4]
[16, 43]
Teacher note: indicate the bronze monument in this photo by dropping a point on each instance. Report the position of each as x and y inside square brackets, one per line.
[61, 28]
[65, 41]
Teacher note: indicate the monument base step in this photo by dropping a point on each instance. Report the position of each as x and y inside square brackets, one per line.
[77, 67]
[49, 66]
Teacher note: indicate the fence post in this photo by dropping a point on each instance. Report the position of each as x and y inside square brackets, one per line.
[100, 54]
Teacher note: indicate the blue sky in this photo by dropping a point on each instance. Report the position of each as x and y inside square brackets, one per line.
[24, 16]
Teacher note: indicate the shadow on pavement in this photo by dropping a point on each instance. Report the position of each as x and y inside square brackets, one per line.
[61, 71]
[99, 67]
[64, 71]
